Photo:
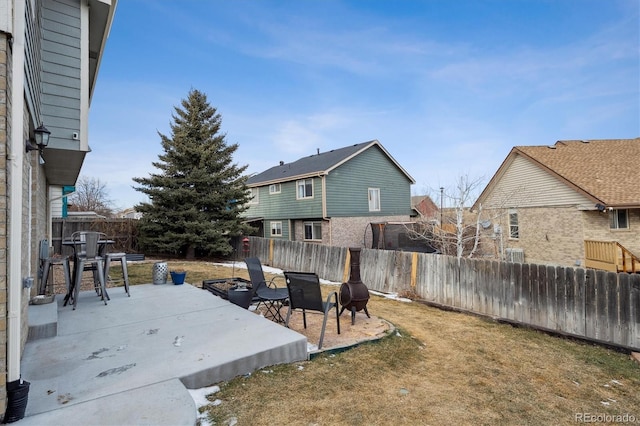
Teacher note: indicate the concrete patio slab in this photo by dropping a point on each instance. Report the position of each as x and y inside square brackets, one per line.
[125, 358]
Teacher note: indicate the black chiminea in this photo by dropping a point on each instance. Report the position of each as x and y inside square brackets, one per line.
[354, 294]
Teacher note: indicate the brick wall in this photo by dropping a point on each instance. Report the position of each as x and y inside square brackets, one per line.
[597, 228]
[346, 231]
[356, 231]
[5, 119]
[548, 236]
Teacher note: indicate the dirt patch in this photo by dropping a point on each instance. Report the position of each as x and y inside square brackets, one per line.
[363, 329]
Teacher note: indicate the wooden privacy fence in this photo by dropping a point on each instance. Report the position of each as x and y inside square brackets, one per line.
[596, 305]
[123, 231]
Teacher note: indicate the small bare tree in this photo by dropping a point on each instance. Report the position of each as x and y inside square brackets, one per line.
[91, 195]
[451, 234]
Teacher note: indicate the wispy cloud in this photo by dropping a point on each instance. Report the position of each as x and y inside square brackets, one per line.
[445, 93]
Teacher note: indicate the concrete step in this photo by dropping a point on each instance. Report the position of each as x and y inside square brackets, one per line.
[43, 320]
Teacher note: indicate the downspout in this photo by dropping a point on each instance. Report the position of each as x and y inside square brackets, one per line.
[16, 158]
[323, 179]
[50, 212]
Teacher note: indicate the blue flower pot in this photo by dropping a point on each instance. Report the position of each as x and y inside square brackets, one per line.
[178, 277]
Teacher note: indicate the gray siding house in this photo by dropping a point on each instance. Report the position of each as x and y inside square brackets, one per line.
[330, 197]
[50, 51]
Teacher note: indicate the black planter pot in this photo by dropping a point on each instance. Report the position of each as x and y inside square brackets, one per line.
[240, 297]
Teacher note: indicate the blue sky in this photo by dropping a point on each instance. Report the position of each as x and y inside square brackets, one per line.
[447, 87]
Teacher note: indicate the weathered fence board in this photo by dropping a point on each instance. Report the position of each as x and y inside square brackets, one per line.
[598, 305]
[578, 315]
[518, 309]
[624, 287]
[590, 300]
[565, 292]
[634, 311]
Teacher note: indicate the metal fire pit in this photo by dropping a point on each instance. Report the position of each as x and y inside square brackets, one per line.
[354, 294]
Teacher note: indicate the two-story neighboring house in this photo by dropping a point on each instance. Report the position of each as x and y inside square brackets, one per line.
[330, 197]
[556, 204]
[50, 51]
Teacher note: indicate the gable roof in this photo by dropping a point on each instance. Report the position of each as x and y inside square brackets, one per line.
[424, 205]
[606, 170]
[318, 164]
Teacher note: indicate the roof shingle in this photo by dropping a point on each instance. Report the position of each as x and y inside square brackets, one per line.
[607, 169]
[313, 165]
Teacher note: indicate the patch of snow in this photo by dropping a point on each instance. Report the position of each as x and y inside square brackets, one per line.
[199, 397]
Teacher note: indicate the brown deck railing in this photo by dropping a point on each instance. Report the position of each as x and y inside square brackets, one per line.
[610, 256]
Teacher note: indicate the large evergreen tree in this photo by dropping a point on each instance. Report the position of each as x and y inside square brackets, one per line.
[199, 192]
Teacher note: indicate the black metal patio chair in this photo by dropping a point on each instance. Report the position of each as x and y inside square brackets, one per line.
[268, 293]
[87, 257]
[46, 264]
[305, 293]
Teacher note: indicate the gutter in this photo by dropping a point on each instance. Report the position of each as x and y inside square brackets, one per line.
[16, 159]
[323, 179]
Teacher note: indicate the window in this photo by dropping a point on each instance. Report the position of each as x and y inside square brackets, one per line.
[619, 219]
[313, 231]
[274, 188]
[253, 195]
[276, 229]
[374, 199]
[513, 225]
[305, 188]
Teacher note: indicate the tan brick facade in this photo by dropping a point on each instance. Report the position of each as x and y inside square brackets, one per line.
[597, 228]
[555, 235]
[33, 214]
[5, 119]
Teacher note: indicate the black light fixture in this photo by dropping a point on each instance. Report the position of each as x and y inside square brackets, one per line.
[600, 207]
[41, 139]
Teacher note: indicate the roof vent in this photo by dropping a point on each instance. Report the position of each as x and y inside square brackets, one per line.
[318, 150]
[281, 163]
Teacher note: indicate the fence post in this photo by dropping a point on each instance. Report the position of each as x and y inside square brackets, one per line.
[414, 269]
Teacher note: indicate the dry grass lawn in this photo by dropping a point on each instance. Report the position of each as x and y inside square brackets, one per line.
[439, 368]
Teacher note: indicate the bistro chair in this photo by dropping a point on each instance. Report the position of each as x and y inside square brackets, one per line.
[87, 257]
[267, 292]
[46, 266]
[117, 257]
[305, 293]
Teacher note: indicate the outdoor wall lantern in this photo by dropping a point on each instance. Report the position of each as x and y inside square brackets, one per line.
[41, 139]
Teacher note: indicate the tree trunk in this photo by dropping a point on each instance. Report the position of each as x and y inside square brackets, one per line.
[191, 252]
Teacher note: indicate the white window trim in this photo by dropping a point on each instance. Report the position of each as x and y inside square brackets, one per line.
[279, 227]
[255, 196]
[372, 207]
[313, 190]
[312, 223]
[517, 225]
[275, 188]
[613, 217]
